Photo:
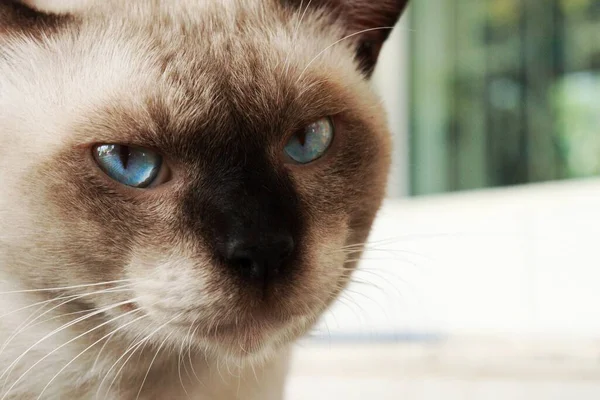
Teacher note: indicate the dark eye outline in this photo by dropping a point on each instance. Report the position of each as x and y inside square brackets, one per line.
[301, 132]
[162, 175]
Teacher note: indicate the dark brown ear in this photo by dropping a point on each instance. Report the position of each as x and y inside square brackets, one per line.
[17, 17]
[373, 18]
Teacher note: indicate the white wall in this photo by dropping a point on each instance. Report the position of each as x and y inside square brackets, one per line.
[516, 261]
[390, 79]
[522, 261]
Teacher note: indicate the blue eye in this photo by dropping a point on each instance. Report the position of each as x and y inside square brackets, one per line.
[131, 166]
[312, 142]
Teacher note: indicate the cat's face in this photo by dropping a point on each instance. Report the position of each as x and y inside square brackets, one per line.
[260, 148]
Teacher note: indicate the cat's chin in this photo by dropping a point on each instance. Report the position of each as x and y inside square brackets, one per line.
[253, 343]
[248, 341]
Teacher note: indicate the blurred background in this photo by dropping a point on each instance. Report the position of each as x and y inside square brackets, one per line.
[481, 278]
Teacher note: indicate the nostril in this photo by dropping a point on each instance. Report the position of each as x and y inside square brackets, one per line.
[244, 263]
[249, 268]
[261, 259]
[240, 255]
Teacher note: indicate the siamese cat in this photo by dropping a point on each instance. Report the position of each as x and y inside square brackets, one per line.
[185, 186]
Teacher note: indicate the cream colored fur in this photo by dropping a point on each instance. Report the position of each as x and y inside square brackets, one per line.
[51, 90]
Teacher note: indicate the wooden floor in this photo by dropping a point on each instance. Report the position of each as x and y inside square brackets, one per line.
[470, 369]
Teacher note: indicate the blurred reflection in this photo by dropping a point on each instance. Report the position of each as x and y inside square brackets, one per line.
[504, 92]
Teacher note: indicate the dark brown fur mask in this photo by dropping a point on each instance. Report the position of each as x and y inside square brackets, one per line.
[234, 236]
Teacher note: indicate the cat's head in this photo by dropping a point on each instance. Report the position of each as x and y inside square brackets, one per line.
[217, 163]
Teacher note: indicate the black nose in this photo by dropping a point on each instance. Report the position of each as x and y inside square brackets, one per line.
[259, 260]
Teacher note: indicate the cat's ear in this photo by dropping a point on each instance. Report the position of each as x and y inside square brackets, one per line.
[369, 20]
[16, 16]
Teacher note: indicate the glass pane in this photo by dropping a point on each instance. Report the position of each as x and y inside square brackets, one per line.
[504, 92]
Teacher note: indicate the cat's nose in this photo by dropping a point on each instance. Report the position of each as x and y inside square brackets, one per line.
[259, 260]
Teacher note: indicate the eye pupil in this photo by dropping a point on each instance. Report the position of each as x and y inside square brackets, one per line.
[302, 138]
[124, 155]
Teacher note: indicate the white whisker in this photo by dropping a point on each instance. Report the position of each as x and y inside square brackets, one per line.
[150, 366]
[100, 352]
[64, 326]
[131, 351]
[133, 348]
[22, 328]
[54, 289]
[32, 305]
[295, 34]
[64, 344]
[190, 355]
[92, 345]
[187, 339]
[336, 42]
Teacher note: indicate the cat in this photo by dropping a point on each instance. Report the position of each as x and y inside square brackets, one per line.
[185, 188]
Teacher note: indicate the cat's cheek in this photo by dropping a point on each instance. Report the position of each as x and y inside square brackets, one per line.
[173, 284]
[325, 273]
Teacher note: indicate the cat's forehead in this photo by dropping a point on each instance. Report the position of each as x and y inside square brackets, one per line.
[229, 68]
[192, 66]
